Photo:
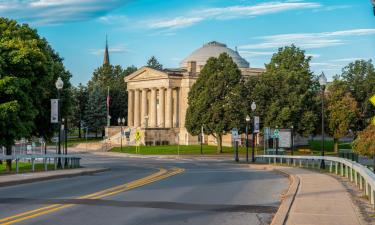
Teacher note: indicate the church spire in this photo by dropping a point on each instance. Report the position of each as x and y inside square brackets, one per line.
[106, 54]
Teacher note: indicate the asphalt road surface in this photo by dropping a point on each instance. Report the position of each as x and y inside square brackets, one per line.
[148, 191]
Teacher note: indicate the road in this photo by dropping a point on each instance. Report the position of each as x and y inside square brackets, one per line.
[148, 191]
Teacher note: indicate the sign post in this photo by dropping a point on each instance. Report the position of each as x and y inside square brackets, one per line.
[276, 135]
[235, 143]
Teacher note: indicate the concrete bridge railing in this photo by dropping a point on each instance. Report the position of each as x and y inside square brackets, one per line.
[361, 176]
[67, 161]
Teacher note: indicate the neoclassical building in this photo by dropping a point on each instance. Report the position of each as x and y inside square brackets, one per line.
[158, 99]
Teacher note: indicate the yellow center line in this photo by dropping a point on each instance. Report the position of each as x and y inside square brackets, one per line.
[161, 174]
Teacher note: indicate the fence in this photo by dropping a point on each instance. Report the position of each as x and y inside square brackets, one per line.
[67, 161]
[363, 178]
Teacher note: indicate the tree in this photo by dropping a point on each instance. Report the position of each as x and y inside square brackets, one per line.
[112, 77]
[342, 111]
[359, 76]
[96, 113]
[30, 65]
[154, 63]
[286, 94]
[215, 99]
[80, 98]
[364, 144]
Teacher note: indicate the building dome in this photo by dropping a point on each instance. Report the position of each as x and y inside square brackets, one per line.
[213, 49]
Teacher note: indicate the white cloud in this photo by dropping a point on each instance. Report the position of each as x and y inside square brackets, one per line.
[57, 11]
[255, 53]
[307, 40]
[230, 12]
[346, 59]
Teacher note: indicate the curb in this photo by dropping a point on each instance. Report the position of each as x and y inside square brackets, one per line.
[282, 213]
[55, 176]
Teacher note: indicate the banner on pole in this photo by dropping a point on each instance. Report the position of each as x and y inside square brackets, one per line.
[54, 110]
[256, 124]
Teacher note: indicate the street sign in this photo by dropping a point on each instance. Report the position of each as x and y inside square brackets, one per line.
[256, 124]
[372, 100]
[234, 134]
[54, 110]
[276, 133]
[285, 138]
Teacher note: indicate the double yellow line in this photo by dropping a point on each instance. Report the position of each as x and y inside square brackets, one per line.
[161, 174]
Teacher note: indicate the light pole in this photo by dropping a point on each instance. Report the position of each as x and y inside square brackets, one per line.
[247, 137]
[323, 83]
[292, 140]
[253, 108]
[146, 121]
[121, 122]
[59, 85]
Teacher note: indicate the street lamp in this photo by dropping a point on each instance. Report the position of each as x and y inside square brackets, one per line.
[323, 83]
[247, 137]
[292, 140]
[146, 121]
[59, 85]
[253, 108]
[121, 122]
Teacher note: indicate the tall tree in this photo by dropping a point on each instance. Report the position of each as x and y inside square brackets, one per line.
[154, 63]
[359, 76]
[96, 113]
[342, 111]
[30, 66]
[80, 99]
[286, 94]
[215, 99]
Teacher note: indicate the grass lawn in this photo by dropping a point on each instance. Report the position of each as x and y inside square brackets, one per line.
[315, 145]
[75, 141]
[24, 167]
[183, 150]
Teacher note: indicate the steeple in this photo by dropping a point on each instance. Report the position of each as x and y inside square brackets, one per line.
[106, 54]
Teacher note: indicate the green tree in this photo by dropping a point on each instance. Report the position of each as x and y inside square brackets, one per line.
[33, 67]
[215, 99]
[96, 113]
[112, 77]
[342, 111]
[364, 144]
[154, 63]
[359, 76]
[80, 99]
[286, 94]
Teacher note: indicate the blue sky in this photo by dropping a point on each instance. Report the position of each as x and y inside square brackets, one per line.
[334, 32]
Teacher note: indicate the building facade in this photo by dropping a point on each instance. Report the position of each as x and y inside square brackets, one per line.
[158, 99]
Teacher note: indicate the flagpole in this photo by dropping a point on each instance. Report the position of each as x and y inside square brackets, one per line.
[108, 120]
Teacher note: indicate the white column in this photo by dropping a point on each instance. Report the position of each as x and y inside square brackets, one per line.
[153, 116]
[144, 107]
[137, 105]
[161, 108]
[168, 109]
[130, 108]
[175, 108]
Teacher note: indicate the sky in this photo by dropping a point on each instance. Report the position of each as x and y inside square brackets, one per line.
[333, 32]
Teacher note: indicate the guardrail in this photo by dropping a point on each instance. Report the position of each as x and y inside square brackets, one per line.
[363, 178]
[67, 161]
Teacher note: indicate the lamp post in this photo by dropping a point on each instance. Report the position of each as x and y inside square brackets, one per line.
[146, 121]
[253, 108]
[247, 137]
[323, 83]
[121, 122]
[292, 140]
[59, 85]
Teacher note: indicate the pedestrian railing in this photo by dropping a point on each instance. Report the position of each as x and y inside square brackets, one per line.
[66, 161]
[360, 175]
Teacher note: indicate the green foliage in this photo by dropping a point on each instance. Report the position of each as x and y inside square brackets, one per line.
[29, 68]
[154, 63]
[286, 94]
[359, 76]
[96, 112]
[112, 77]
[342, 111]
[215, 99]
[80, 99]
[364, 144]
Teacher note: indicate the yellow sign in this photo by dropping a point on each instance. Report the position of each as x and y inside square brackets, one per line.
[372, 100]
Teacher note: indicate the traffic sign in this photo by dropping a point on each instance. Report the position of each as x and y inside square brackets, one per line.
[276, 133]
[372, 100]
[234, 134]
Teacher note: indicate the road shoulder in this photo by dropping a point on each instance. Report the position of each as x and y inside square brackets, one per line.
[22, 178]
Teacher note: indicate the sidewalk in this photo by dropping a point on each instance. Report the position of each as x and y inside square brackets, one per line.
[320, 199]
[14, 179]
